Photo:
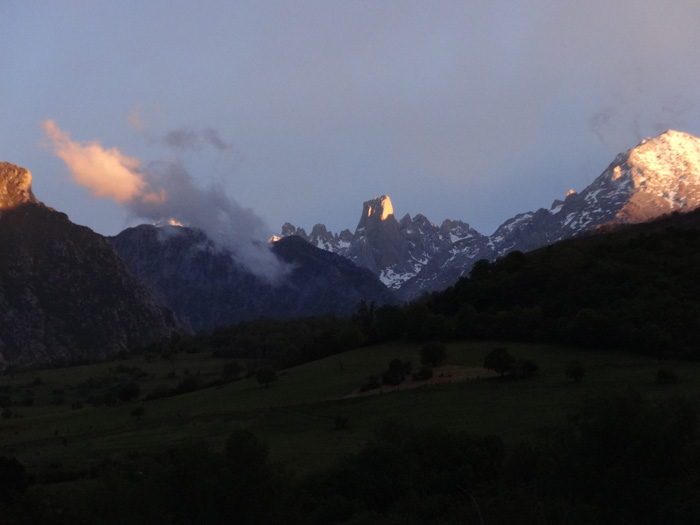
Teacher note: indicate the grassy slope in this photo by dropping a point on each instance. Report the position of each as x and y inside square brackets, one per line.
[296, 414]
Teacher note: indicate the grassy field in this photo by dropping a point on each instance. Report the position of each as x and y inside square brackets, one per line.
[299, 414]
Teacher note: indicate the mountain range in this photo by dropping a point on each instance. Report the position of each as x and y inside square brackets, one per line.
[413, 256]
[207, 287]
[68, 293]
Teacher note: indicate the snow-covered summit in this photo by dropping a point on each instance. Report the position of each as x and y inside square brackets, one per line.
[658, 176]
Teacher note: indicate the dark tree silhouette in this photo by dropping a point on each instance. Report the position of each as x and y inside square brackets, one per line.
[499, 360]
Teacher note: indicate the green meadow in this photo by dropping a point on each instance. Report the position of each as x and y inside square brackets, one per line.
[310, 416]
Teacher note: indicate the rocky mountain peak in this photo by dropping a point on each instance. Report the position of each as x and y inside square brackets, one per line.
[375, 211]
[15, 186]
[659, 175]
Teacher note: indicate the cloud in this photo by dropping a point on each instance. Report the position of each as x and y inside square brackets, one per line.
[184, 138]
[166, 190]
[209, 209]
[105, 172]
[211, 137]
[188, 139]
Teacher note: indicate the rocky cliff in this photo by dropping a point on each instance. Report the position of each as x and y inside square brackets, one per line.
[65, 294]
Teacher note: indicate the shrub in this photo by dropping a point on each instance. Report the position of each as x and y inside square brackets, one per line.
[499, 360]
[396, 372]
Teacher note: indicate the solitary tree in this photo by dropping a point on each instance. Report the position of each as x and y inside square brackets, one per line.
[396, 373]
[433, 353]
[138, 412]
[499, 360]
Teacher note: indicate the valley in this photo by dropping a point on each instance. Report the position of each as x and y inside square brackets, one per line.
[156, 376]
[296, 414]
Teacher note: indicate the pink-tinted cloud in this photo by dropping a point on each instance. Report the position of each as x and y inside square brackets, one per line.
[105, 172]
[166, 190]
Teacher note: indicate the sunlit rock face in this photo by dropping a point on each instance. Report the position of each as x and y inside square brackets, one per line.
[413, 256]
[662, 175]
[659, 176]
[65, 294]
[15, 186]
[395, 250]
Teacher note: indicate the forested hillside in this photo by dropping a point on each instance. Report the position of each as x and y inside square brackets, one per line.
[632, 287]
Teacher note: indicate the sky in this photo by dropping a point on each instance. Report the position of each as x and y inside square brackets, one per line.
[239, 116]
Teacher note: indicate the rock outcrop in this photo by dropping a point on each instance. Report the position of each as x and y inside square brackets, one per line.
[65, 294]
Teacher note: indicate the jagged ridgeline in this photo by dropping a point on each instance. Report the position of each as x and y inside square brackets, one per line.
[207, 287]
[413, 256]
[65, 294]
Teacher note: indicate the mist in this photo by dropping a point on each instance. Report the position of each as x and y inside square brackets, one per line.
[166, 190]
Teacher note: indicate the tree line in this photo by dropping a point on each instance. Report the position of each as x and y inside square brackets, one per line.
[636, 289]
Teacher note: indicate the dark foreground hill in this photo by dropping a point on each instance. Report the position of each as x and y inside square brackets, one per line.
[207, 287]
[634, 287]
[66, 295]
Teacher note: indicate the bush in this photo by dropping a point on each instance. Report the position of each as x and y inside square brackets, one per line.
[396, 373]
[499, 360]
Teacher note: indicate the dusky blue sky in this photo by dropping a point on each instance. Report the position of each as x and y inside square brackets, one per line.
[300, 110]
